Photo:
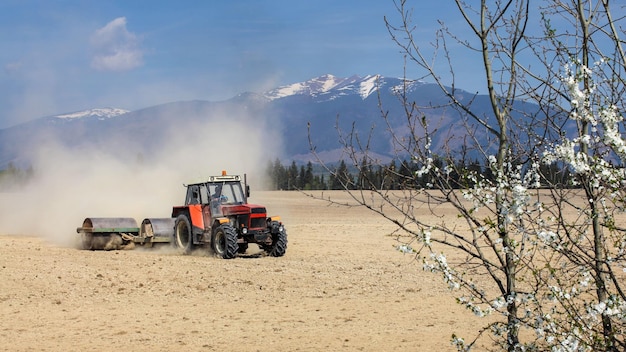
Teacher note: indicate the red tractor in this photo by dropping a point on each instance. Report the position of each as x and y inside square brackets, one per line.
[216, 212]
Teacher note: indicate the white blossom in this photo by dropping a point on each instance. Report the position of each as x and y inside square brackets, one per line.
[405, 248]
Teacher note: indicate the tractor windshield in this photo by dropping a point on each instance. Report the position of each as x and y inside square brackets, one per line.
[227, 193]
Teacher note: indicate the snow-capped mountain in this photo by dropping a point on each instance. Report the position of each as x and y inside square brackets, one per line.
[330, 87]
[311, 87]
[320, 106]
[99, 113]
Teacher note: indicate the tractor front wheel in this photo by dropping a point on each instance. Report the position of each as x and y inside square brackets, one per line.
[224, 241]
[279, 240]
[182, 234]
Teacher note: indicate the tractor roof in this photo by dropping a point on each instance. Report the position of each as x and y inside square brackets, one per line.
[224, 178]
[217, 179]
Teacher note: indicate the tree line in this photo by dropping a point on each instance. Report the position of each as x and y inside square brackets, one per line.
[14, 177]
[398, 174]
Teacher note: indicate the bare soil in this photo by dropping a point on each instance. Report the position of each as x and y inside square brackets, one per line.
[341, 286]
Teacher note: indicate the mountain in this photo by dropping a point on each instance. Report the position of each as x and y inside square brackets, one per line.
[326, 104]
[328, 87]
[100, 114]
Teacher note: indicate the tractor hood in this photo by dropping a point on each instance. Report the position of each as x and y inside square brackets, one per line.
[241, 209]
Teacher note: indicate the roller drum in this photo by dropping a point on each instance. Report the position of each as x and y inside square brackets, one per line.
[157, 227]
[109, 225]
[107, 233]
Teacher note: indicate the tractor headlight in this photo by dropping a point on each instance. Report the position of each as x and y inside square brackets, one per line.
[244, 230]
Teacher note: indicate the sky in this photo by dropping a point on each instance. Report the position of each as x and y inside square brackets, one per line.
[61, 56]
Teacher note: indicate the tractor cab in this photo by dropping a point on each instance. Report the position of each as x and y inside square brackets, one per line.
[217, 193]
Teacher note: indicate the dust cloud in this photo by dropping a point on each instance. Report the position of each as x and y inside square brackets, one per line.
[111, 181]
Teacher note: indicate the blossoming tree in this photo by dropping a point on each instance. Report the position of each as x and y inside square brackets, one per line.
[543, 259]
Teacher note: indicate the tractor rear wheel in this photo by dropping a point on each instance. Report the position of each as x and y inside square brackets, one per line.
[182, 234]
[224, 241]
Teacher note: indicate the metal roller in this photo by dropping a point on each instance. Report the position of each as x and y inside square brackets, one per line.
[157, 227]
[98, 225]
[107, 233]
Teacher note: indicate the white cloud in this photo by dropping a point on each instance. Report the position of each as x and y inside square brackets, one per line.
[115, 48]
[12, 67]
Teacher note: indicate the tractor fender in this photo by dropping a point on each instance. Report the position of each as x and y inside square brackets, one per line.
[193, 213]
[219, 221]
[274, 225]
[275, 218]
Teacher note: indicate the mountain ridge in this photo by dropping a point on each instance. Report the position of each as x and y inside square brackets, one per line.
[326, 86]
[301, 115]
[100, 113]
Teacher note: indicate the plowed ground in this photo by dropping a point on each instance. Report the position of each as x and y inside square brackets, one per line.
[341, 286]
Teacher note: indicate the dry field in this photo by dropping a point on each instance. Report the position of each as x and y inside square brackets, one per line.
[341, 286]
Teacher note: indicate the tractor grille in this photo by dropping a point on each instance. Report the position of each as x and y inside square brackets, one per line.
[257, 223]
[243, 220]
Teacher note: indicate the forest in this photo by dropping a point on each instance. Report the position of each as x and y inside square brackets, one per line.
[398, 174]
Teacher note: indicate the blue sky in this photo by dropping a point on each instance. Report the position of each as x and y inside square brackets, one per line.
[61, 56]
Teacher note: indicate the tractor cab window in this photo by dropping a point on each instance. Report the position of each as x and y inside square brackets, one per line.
[215, 190]
[227, 193]
[204, 196]
[193, 195]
